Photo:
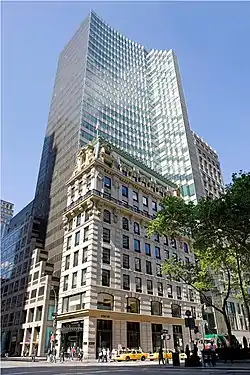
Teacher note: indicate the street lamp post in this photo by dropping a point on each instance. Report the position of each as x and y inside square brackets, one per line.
[54, 315]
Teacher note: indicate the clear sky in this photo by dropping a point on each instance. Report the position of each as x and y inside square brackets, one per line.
[211, 40]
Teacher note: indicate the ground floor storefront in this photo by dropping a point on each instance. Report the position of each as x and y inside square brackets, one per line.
[94, 329]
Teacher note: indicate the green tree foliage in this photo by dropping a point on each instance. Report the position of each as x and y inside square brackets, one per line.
[219, 230]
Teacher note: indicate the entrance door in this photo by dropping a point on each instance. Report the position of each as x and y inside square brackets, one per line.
[178, 337]
[156, 336]
[103, 335]
[133, 335]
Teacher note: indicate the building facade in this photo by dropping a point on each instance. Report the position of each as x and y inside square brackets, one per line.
[27, 298]
[209, 167]
[112, 289]
[7, 211]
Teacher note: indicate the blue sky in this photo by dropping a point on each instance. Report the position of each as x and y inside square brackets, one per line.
[211, 40]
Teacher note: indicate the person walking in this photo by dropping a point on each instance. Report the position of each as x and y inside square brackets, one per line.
[187, 359]
[99, 355]
[62, 355]
[104, 355]
[161, 358]
[33, 354]
[54, 355]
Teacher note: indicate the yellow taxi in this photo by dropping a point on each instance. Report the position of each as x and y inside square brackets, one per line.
[167, 354]
[129, 355]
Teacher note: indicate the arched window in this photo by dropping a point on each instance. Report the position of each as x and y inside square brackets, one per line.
[173, 243]
[105, 301]
[106, 216]
[156, 308]
[133, 305]
[176, 310]
[125, 224]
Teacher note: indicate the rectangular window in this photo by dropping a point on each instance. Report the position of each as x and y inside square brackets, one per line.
[69, 242]
[157, 237]
[178, 292]
[185, 246]
[65, 282]
[78, 220]
[107, 182]
[135, 196]
[124, 191]
[158, 270]
[105, 278]
[106, 235]
[138, 284]
[154, 206]
[137, 246]
[125, 262]
[84, 255]
[74, 280]
[157, 252]
[149, 287]
[169, 291]
[125, 223]
[126, 282]
[75, 261]
[145, 201]
[67, 262]
[106, 216]
[191, 295]
[138, 264]
[147, 249]
[77, 238]
[70, 224]
[148, 267]
[166, 240]
[85, 234]
[83, 277]
[86, 216]
[125, 242]
[186, 260]
[105, 255]
[160, 289]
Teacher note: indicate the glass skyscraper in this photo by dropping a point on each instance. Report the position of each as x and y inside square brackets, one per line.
[133, 96]
[7, 210]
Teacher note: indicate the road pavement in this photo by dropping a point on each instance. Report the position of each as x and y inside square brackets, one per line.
[22, 368]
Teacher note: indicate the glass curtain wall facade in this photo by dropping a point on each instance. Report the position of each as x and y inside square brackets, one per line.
[134, 98]
[176, 156]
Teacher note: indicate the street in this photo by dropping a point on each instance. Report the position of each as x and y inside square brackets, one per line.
[22, 368]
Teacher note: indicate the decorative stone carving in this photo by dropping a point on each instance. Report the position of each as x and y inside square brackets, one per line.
[99, 174]
[115, 215]
[116, 183]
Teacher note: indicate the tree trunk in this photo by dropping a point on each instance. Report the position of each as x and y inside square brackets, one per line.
[228, 324]
[242, 290]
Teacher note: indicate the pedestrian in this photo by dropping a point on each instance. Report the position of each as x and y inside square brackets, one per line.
[62, 355]
[161, 358]
[54, 355]
[73, 352]
[81, 355]
[108, 355]
[187, 359]
[212, 353]
[104, 355]
[33, 354]
[99, 355]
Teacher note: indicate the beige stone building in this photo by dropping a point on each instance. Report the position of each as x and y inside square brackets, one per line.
[112, 291]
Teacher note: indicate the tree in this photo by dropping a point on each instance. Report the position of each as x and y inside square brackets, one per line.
[219, 230]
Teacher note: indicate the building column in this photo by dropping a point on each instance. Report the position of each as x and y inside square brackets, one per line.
[89, 338]
[146, 337]
[31, 340]
[119, 334]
